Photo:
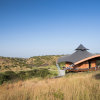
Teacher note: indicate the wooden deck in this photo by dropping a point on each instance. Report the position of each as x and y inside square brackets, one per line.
[83, 70]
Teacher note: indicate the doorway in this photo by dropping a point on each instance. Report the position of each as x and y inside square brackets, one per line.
[89, 64]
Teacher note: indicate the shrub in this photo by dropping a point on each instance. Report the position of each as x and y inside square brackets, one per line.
[33, 73]
[21, 75]
[10, 75]
[42, 73]
[3, 78]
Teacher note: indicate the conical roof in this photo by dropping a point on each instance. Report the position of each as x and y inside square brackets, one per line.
[81, 47]
[81, 53]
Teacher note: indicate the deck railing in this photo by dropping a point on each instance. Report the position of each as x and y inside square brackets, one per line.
[85, 69]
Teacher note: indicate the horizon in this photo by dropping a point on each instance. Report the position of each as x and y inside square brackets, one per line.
[49, 27]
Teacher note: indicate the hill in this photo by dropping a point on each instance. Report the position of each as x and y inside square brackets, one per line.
[30, 79]
[12, 69]
[43, 60]
[17, 64]
[8, 63]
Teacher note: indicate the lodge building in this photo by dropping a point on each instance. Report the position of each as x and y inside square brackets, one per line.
[81, 60]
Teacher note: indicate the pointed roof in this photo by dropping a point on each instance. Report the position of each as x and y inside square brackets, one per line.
[81, 47]
[80, 54]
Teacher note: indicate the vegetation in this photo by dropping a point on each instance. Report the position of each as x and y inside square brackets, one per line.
[74, 86]
[12, 69]
[32, 79]
[43, 60]
[23, 75]
[21, 64]
[8, 64]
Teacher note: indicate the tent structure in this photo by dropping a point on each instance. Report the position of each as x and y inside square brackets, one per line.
[80, 60]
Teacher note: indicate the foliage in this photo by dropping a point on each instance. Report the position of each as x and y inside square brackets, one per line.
[21, 69]
[2, 78]
[62, 64]
[8, 75]
[7, 63]
[22, 75]
[33, 73]
[43, 60]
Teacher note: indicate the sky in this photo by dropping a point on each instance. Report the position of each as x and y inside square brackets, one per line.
[48, 27]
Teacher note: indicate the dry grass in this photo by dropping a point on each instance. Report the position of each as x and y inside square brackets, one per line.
[77, 86]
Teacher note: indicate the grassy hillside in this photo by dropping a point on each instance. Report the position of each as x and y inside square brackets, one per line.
[74, 86]
[43, 60]
[13, 64]
[21, 64]
[12, 69]
[30, 79]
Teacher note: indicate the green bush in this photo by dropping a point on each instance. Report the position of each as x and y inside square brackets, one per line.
[26, 74]
[10, 75]
[22, 75]
[3, 78]
[33, 73]
[41, 73]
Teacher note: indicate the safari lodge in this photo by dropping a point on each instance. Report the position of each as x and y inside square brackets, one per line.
[80, 60]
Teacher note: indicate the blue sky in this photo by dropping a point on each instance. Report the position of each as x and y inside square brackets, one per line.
[48, 27]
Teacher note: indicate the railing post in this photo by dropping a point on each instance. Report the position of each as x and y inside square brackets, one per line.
[95, 67]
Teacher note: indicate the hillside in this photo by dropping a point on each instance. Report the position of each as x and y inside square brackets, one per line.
[43, 60]
[7, 63]
[32, 79]
[17, 64]
[74, 86]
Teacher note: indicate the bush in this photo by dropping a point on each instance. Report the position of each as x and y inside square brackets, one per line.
[22, 75]
[33, 73]
[42, 73]
[3, 78]
[10, 75]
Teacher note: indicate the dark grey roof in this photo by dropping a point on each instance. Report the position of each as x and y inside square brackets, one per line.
[80, 54]
[81, 47]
